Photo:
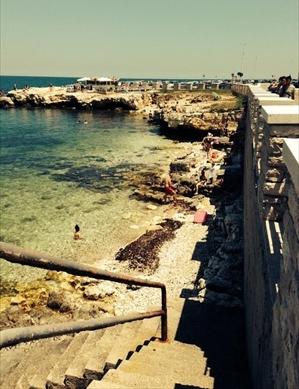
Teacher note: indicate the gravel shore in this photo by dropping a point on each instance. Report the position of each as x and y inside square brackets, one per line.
[179, 264]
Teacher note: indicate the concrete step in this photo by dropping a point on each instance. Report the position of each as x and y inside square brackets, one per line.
[38, 380]
[96, 364]
[10, 357]
[40, 356]
[122, 346]
[132, 347]
[172, 356]
[150, 367]
[158, 381]
[94, 368]
[55, 379]
[75, 375]
[146, 332]
[107, 385]
[159, 347]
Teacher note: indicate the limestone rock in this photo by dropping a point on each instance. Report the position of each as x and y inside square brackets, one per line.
[98, 291]
[6, 102]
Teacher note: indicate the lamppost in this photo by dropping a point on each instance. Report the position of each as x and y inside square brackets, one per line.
[242, 61]
[254, 68]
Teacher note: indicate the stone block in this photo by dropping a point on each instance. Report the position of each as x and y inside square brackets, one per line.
[274, 200]
[276, 188]
[273, 212]
[286, 130]
[260, 128]
[293, 203]
[260, 136]
[274, 146]
[259, 146]
[275, 114]
[273, 99]
[271, 162]
[274, 175]
[275, 161]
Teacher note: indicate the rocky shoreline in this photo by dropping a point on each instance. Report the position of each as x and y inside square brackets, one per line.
[198, 261]
[191, 111]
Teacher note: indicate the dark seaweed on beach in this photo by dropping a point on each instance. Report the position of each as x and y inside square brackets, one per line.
[143, 253]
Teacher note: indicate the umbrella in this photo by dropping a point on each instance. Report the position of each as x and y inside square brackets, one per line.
[104, 79]
[83, 79]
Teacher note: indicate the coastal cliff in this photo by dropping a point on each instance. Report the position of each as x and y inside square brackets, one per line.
[59, 97]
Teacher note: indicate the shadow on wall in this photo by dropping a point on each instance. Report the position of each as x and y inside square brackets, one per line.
[220, 334]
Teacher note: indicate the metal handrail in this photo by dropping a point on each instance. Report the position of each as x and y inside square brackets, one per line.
[22, 256]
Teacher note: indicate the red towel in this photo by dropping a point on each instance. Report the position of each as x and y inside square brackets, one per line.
[200, 217]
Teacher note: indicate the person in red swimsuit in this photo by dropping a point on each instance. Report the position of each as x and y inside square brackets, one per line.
[169, 189]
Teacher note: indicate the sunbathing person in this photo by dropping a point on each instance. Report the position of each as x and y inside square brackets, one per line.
[201, 182]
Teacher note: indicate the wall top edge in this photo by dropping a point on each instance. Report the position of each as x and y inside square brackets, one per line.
[275, 101]
[281, 114]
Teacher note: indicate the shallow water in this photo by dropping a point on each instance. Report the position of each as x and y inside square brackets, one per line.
[57, 171]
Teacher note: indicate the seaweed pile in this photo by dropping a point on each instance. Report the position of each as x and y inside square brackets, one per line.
[143, 253]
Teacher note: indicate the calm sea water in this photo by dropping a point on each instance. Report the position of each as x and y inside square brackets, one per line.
[7, 82]
[56, 172]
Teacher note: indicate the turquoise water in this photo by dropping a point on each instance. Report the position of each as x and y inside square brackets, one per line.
[57, 171]
[7, 82]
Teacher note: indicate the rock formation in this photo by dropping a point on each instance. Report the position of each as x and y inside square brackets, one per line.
[181, 110]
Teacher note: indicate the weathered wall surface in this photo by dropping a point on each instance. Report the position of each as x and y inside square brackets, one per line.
[271, 245]
[257, 300]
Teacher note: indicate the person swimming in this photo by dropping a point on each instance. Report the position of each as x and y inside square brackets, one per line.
[77, 232]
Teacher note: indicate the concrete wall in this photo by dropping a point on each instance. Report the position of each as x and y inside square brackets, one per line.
[271, 238]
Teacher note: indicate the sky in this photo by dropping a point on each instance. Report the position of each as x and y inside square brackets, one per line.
[160, 39]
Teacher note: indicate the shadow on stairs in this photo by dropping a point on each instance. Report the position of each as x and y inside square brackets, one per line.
[205, 350]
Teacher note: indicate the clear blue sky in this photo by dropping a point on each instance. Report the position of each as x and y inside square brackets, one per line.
[149, 38]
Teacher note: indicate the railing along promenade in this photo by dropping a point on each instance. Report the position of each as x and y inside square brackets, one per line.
[271, 237]
[14, 254]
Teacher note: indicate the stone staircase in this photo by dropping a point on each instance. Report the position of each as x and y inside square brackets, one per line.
[130, 355]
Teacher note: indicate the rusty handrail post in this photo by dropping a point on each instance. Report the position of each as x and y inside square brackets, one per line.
[164, 316]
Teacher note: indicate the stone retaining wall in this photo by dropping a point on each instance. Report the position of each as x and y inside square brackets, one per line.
[271, 239]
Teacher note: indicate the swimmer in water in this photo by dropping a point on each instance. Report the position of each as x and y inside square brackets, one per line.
[77, 232]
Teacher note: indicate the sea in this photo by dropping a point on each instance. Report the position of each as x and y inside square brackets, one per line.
[57, 172]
